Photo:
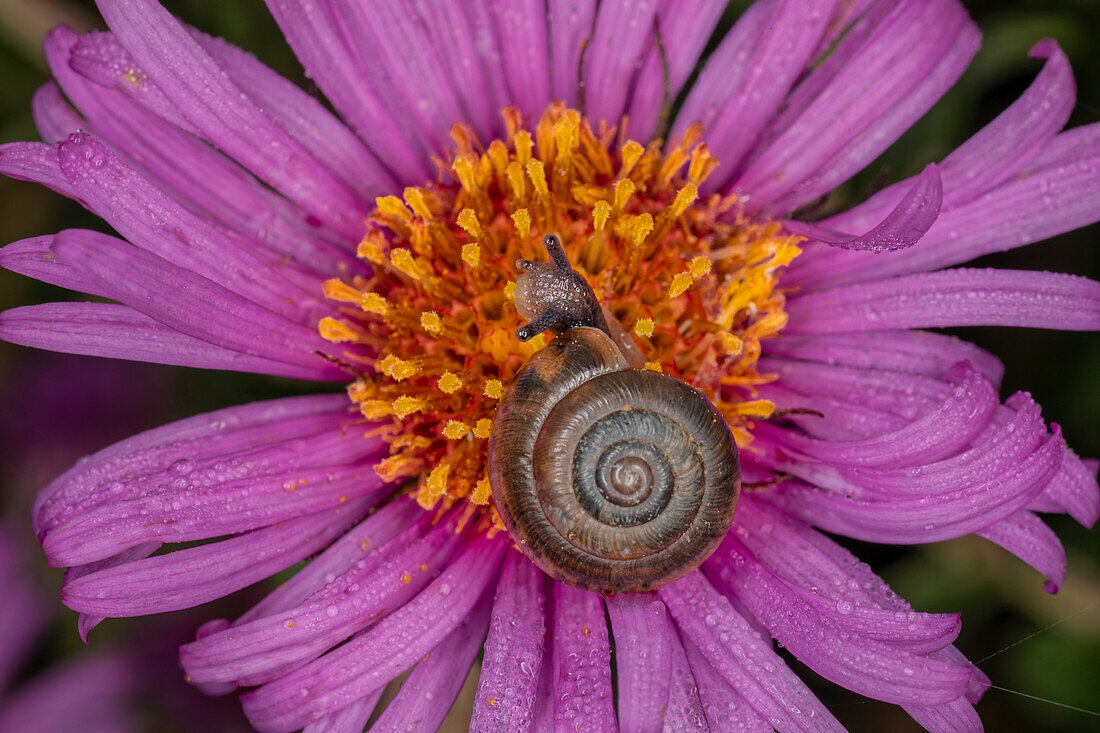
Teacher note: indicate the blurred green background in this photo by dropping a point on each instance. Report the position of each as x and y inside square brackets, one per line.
[55, 408]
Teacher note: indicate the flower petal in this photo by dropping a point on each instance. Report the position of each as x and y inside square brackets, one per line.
[119, 332]
[747, 662]
[315, 36]
[569, 24]
[582, 691]
[213, 437]
[369, 661]
[865, 665]
[621, 34]
[35, 162]
[264, 649]
[190, 577]
[962, 297]
[193, 305]
[884, 75]
[86, 622]
[690, 23]
[726, 709]
[643, 658]
[919, 519]
[352, 719]
[302, 116]
[1073, 490]
[521, 35]
[427, 695]
[745, 81]
[225, 116]
[187, 169]
[392, 41]
[1026, 536]
[151, 220]
[35, 257]
[53, 116]
[903, 227]
[937, 435]
[923, 353]
[506, 689]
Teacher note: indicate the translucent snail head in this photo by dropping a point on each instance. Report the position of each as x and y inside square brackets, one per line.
[610, 478]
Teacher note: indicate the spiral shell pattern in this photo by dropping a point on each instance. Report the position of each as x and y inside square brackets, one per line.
[609, 478]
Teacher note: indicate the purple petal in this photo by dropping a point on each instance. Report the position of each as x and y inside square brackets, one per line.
[427, 695]
[643, 658]
[186, 168]
[196, 575]
[214, 437]
[853, 660]
[886, 74]
[352, 719]
[747, 78]
[262, 650]
[185, 512]
[684, 27]
[86, 622]
[941, 433]
[962, 297]
[358, 547]
[506, 689]
[1026, 536]
[302, 116]
[997, 152]
[582, 692]
[922, 353]
[119, 332]
[35, 162]
[918, 519]
[521, 34]
[685, 707]
[1074, 490]
[151, 220]
[36, 258]
[958, 715]
[369, 661]
[225, 116]
[53, 116]
[902, 227]
[393, 43]
[621, 34]
[816, 571]
[569, 24]
[315, 35]
[192, 305]
[724, 707]
[747, 662]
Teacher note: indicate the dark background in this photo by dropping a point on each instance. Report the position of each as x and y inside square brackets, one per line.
[54, 408]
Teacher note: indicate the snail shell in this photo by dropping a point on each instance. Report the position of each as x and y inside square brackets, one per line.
[609, 478]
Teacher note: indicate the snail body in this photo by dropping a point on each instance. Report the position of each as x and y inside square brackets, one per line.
[610, 478]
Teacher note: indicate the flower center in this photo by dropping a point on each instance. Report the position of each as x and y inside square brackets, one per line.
[693, 280]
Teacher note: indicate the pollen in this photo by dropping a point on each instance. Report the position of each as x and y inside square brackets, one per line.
[449, 383]
[431, 322]
[494, 389]
[429, 327]
[455, 430]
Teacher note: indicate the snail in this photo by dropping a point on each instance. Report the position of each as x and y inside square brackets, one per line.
[609, 478]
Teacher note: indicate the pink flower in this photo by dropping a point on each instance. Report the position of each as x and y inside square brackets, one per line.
[240, 202]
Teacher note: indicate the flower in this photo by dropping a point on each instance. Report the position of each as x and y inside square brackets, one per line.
[261, 233]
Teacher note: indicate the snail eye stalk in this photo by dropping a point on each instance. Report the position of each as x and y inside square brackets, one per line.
[554, 297]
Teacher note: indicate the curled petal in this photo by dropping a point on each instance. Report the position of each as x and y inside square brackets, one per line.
[903, 227]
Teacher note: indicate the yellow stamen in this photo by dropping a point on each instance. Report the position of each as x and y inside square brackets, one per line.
[471, 254]
[335, 331]
[522, 221]
[483, 427]
[644, 327]
[482, 493]
[405, 405]
[494, 389]
[431, 322]
[600, 212]
[449, 383]
[374, 303]
[455, 430]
